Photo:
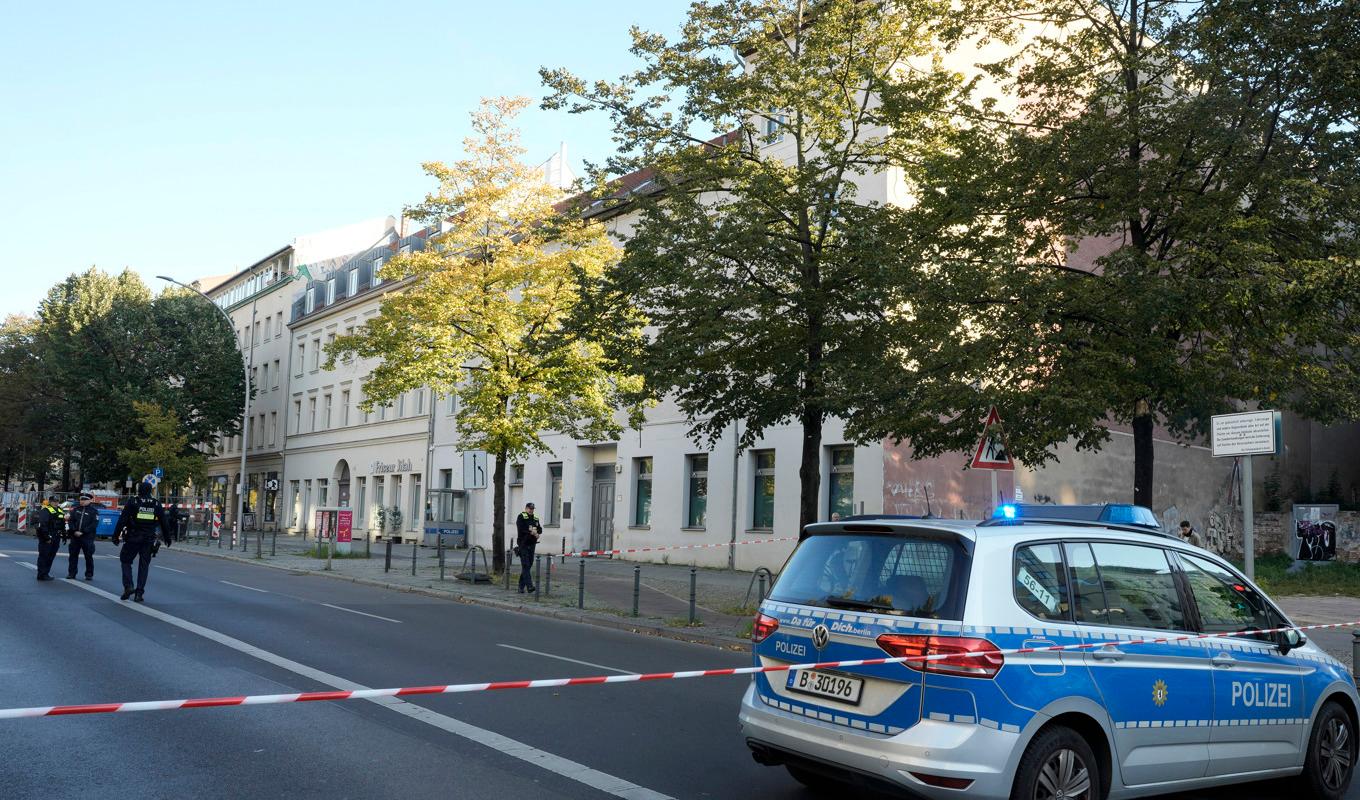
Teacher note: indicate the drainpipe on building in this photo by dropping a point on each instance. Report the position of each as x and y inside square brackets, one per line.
[736, 458]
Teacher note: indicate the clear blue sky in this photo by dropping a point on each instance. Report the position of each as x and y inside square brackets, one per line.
[192, 139]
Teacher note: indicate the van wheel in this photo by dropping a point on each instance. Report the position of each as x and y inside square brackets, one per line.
[817, 782]
[1330, 760]
[1058, 765]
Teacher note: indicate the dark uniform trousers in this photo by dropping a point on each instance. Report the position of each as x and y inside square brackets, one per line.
[526, 560]
[48, 546]
[136, 547]
[81, 543]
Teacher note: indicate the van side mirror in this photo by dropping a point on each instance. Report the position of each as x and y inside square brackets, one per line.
[1290, 639]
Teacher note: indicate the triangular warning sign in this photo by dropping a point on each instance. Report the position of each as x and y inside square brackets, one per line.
[991, 450]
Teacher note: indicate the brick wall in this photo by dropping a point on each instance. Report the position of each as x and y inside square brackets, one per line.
[1275, 533]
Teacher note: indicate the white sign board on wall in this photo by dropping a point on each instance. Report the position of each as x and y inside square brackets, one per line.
[1253, 433]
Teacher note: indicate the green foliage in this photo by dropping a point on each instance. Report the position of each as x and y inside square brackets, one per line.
[768, 278]
[162, 442]
[99, 343]
[1167, 216]
[1315, 579]
[485, 312]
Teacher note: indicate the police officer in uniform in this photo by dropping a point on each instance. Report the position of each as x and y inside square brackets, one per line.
[51, 529]
[81, 525]
[527, 531]
[143, 517]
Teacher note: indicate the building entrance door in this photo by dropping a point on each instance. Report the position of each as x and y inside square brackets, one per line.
[602, 508]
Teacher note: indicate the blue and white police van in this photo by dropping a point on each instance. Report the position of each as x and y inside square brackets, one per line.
[1116, 720]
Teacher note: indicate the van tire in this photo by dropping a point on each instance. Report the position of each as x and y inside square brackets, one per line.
[1326, 772]
[1057, 753]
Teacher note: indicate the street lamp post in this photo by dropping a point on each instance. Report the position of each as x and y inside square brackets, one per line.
[247, 361]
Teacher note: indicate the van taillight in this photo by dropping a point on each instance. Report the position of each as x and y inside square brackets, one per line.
[763, 627]
[954, 655]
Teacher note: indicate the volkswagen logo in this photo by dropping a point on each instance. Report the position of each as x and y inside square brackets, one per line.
[820, 636]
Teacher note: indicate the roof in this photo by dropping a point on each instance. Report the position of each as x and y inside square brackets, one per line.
[230, 278]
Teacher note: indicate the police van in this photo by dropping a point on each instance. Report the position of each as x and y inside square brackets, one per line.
[979, 720]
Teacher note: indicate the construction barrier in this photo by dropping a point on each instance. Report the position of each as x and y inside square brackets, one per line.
[216, 525]
[367, 694]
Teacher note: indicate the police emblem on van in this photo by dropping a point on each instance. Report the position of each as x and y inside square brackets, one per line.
[821, 635]
[1159, 693]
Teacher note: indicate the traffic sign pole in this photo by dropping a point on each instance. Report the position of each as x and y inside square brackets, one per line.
[1248, 520]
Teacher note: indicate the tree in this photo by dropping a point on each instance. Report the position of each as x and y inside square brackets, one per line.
[162, 442]
[482, 313]
[1168, 219]
[107, 342]
[29, 429]
[766, 275]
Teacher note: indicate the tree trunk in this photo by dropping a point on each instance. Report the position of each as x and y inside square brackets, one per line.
[1142, 454]
[498, 514]
[810, 467]
[66, 472]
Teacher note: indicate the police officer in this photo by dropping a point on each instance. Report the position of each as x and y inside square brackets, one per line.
[143, 517]
[527, 531]
[51, 529]
[81, 525]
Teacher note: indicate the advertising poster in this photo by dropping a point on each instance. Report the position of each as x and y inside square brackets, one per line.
[344, 526]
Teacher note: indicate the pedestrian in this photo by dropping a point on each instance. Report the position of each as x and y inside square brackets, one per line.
[81, 525]
[51, 530]
[142, 519]
[1189, 535]
[527, 531]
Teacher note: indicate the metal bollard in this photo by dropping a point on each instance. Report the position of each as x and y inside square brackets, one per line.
[414, 545]
[219, 540]
[761, 578]
[441, 556]
[274, 544]
[387, 565]
[637, 586]
[547, 574]
[509, 564]
[330, 550]
[693, 579]
[538, 583]
[581, 587]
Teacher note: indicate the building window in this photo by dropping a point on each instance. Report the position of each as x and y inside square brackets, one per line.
[316, 354]
[294, 488]
[696, 490]
[516, 474]
[453, 404]
[323, 495]
[326, 412]
[775, 123]
[762, 500]
[353, 282]
[309, 305]
[642, 496]
[344, 409]
[330, 291]
[377, 265]
[842, 483]
[420, 402]
[401, 405]
[311, 414]
[446, 478]
[297, 416]
[416, 520]
[554, 494]
[360, 500]
[301, 358]
[256, 334]
[273, 429]
[276, 373]
[268, 326]
[264, 377]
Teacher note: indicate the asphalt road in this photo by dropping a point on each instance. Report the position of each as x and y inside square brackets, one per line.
[216, 628]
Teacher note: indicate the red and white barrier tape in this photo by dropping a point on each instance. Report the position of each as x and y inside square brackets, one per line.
[672, 547]
[365, 694]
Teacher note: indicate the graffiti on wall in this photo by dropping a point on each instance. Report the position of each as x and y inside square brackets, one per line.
[1314, 532]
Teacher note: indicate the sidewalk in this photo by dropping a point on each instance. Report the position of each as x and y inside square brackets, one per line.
[722, 606]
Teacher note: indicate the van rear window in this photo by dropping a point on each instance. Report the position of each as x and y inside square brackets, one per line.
[886, 574]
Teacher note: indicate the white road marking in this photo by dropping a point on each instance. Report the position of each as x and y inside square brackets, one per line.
[2, 555]
[363, 613]
[33, 567]
[564, 658]
[564, 767]
[170, 569]
[243, 586]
